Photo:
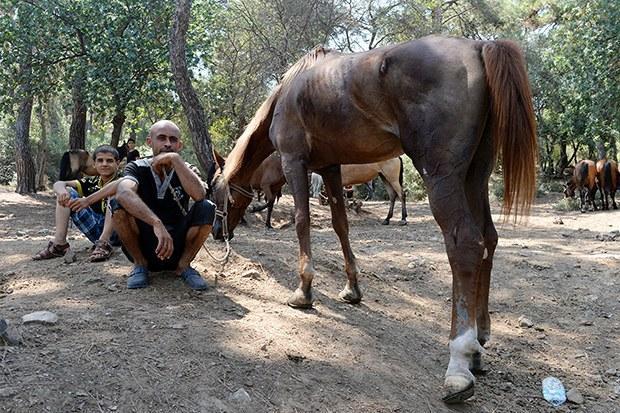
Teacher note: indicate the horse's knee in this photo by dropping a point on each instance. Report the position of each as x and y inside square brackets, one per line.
[465, 246]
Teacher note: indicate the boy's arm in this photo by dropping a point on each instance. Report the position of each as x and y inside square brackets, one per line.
[107, 191]
[60, 188]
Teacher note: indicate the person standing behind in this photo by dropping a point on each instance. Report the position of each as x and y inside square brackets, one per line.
[132, 152]
[150, 212]
[84, 201]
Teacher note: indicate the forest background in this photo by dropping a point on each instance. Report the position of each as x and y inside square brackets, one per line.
[80, 73]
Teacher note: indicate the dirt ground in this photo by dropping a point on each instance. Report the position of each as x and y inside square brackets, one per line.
[166, 348]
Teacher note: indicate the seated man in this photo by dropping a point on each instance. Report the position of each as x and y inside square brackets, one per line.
[150, 212]
[84, 202]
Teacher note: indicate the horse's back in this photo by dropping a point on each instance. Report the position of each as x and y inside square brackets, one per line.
[352, 108]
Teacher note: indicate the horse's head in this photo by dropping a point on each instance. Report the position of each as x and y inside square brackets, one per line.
[569, 188]
[230, 200]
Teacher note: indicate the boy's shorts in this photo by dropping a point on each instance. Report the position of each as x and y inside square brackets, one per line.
[89, 222]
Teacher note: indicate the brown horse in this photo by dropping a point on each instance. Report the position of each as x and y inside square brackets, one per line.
[390, 172]
[607, 174]
[269, 179]
[452, 105]
[74, 164]
[584, 181]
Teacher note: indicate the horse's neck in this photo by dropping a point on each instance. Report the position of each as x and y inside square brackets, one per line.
[243, 175]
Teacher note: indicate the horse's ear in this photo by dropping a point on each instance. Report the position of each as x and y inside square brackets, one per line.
[219, 160]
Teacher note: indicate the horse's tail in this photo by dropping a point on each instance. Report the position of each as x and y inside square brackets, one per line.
[401, 173]
[608, 179]
[513, 123]
[583, 177]
[65, 167]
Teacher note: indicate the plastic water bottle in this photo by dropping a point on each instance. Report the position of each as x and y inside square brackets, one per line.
[553, 391]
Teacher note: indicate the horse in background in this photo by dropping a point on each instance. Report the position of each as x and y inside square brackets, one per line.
[389, 171]
[453, 106]
[76, 163]
[607, 174]
[268, 179]
[583, 181]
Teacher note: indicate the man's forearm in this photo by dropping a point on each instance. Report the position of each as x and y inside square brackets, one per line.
[134, 205]
[190, 181]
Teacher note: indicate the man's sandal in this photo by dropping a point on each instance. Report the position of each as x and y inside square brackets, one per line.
[102, 251]
[51, 251]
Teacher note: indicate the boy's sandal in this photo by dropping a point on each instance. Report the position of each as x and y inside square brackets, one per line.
[102, 251]
[51, 251]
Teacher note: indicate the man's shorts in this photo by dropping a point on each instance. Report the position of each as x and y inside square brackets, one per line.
[89, 222]
[201, 213]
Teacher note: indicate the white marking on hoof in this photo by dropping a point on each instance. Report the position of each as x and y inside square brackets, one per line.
[486, 254]
[462, 349]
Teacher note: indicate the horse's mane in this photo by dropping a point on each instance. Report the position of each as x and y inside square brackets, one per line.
[258, 128]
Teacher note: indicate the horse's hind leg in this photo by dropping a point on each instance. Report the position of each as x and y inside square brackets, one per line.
[297, 178]
[333, 184]
[465, 246]
[269, 211]
[392, 194]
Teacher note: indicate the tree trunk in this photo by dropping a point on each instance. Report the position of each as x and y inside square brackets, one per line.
[41, 176]
[77, 132]
[563, 161]
[191, 105]
[118, 121]
[24, 164]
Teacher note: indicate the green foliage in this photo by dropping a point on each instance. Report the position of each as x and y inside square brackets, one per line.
[566, 205]
[413, 182]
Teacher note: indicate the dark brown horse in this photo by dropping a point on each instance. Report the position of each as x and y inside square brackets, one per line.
[452, 105]
[75, 163]
[584, 182]
[607, 174]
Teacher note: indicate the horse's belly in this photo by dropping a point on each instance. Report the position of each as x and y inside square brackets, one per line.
[340, 150]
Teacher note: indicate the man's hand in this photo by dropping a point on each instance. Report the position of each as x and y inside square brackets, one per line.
[63, 198]
[78, 204]
[165, 247]
[165, 161]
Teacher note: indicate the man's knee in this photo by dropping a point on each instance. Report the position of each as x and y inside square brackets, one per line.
[203, 213]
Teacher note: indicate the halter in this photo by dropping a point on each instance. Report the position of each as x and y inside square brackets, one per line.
[222, 214]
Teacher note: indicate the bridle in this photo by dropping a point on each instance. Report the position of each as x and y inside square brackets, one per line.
[223, 215]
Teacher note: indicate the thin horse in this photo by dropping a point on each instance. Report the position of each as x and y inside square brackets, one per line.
[583, 181]
[452, 105]
[390, 172]
[269, 179]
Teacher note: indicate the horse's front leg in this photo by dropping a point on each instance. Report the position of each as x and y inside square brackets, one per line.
[297, 178]
[333, 184]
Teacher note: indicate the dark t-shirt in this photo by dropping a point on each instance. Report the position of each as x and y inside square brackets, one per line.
[132, 155]
[90, 185]
[164, 206]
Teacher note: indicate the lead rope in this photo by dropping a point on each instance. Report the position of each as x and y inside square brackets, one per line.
[223, 260]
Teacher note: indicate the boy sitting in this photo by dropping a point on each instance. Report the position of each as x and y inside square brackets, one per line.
[85, 202]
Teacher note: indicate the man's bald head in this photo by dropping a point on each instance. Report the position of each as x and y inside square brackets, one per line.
[164, 136]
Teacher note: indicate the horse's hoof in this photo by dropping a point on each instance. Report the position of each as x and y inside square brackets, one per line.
[477, 368]
[299, 299]
[351, 295]
[402, 223]
[457, 389]
[385, 222]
